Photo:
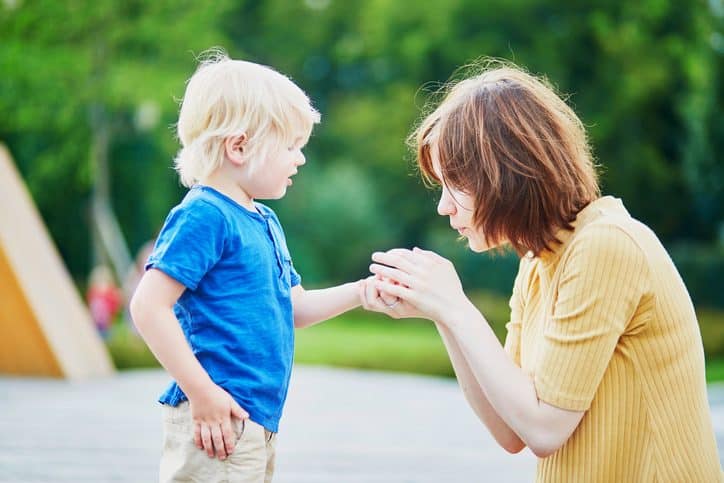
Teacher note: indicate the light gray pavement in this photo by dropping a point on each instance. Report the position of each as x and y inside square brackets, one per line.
[340, 426]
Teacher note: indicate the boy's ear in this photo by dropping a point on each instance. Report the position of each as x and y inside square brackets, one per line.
[234, 147]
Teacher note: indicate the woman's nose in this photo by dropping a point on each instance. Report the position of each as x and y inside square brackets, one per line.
[445, 207]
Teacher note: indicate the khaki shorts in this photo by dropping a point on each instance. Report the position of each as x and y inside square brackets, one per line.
[251, 462]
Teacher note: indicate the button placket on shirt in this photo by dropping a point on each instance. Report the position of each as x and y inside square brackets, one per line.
[270, 232]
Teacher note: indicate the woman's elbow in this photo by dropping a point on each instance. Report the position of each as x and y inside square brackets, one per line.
[544, 446]
[509, 441]
[542, 451]
[514, 446]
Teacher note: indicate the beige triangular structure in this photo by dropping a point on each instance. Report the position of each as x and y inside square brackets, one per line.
[45, 329]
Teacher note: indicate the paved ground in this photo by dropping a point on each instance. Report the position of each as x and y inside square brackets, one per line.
[340, 426]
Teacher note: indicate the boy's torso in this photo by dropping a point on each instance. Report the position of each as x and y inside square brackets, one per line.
[236, 312]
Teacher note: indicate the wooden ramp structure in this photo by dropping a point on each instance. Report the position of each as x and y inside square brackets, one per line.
[45, 328]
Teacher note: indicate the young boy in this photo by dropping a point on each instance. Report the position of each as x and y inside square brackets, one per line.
[220, 298]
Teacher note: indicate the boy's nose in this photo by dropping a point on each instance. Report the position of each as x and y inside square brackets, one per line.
[301, 160]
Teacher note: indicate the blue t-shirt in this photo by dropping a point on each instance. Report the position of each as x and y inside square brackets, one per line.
[236, 311]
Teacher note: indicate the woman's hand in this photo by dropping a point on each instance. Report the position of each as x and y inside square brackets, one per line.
[374, 300]
[425, 283]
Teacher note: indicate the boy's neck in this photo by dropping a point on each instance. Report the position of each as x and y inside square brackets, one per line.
[229, 188]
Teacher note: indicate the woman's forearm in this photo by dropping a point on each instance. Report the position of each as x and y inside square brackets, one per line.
[509, 391]
[475, 396]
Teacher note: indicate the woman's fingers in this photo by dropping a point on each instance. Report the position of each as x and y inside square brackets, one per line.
[375, 300]
[393, 274]
[399, 258]
[429, 255]
[399, 291]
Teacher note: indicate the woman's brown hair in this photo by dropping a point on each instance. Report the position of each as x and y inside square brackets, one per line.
[506, 138]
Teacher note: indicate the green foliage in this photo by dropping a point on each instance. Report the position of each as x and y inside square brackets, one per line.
[644, 76]
[347, 219]
[702, 268]
[127, 349]
[71, 69]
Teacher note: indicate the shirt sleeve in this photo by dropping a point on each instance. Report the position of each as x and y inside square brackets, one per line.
[604, 276]
[190, 243]
[295, 277]
[514, 326]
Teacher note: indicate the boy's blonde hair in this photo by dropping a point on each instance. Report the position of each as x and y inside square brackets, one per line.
[227, 97]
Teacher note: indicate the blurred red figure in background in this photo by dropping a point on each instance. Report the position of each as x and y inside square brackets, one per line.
[104, 298]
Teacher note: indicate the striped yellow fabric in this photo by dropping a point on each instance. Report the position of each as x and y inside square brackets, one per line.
[604, 324]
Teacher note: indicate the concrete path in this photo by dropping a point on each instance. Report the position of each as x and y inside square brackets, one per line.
[340, 426]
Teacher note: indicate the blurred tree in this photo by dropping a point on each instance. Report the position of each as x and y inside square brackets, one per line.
[641, 75]
[86, 82]
[644, 76]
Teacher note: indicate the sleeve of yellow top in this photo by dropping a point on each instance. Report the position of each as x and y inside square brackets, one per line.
[512, 338]
[604, 275]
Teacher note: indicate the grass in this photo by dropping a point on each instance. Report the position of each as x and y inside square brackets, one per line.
[711, 323]
[372, 341]
[715, 370]
[127, 349]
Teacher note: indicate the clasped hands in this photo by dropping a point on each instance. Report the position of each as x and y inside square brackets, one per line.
[412, 283]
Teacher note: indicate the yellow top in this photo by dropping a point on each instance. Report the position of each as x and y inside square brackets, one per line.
[604, 324]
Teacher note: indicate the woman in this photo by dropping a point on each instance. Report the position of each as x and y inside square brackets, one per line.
[602, 372]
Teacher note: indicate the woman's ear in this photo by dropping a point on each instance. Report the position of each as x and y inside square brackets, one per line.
[234, 148]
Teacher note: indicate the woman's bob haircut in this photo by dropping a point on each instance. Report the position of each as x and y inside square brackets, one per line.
[506, 138]
[226, 97]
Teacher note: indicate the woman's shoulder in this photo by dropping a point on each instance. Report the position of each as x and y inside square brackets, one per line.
[610, 239]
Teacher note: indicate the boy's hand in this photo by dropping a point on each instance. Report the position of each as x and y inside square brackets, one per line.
[212, 411]
[376, 300]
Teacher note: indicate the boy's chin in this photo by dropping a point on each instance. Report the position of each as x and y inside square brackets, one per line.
[273, 196]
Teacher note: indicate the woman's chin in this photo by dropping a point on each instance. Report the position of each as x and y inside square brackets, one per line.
[478, 248]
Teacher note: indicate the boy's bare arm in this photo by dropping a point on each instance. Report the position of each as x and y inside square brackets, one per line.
[211, 406]
[314, 306]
